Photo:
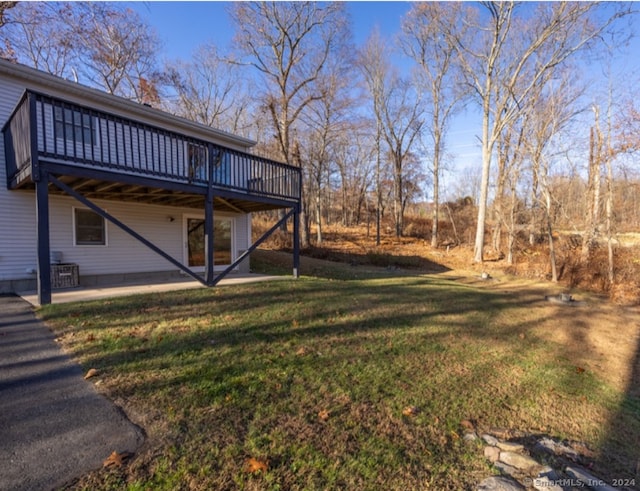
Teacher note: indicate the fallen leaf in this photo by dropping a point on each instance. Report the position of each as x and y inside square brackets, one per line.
[116, 459]
[579, 370]
[465, 423]
[91, 338]
[253, 465]
[91, 373]
[323, 415]
[301, 351]
[410, 411]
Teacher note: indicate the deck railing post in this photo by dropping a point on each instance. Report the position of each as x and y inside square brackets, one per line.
[33, 136]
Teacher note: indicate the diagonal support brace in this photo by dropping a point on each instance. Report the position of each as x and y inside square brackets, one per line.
[253, 247]
[125, 228]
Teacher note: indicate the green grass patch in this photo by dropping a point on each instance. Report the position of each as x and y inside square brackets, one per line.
[311, 376]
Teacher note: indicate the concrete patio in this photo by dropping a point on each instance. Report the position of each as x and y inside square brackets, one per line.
[123, 289]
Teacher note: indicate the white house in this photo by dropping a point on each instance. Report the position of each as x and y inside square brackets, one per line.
[96, 188]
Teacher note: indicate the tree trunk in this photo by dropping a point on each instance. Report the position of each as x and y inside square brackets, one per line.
[398, 204]
[378, 190]
[304, 229]
[511, 240]
[552, 250]
[318, 215]
[593, 192]
[478, 254]
[610, 213]
[436, 192]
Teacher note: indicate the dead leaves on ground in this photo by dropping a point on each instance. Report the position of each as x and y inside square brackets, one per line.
[253, 465]
[324, 415]
[117, 459]
[410, 411]
[91, 373]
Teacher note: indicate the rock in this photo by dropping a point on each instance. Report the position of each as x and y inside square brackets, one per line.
[588, 479]
[551, 446]
[500, 433]
[492, 453]
[499, 483]
[510, 446]
[545, 484]
[506, 469]
[549, 472]
[490, 440]
[518, 461]
[470, 436]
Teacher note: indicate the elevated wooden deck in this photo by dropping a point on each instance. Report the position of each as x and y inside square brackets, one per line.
[106, 156]
[54, 146]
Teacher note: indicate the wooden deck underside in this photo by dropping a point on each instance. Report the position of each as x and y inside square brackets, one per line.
[113, 190]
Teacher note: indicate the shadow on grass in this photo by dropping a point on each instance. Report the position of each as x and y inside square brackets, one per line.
[619, 452]
[374, 344]
[333, 265]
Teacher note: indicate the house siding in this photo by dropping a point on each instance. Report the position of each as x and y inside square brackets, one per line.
[122, 254]
[17, 209]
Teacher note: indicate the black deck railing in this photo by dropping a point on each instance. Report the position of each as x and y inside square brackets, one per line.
[85, 137]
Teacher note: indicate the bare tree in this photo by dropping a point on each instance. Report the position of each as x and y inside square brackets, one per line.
[118, 51]
[209, 90]
[40, 35]
[373, 62]
[355, 159]
[97, 43]
[438, 76]
[504, 57]
[401, 130]
[290, 44]
[592, 211]
[325, 120]
[4, 6]
[549, 111]
[398, 115]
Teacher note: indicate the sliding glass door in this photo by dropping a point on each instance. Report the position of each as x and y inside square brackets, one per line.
[195, 241]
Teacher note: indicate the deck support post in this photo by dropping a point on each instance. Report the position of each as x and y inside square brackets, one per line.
[42, 231]
[296, 242]
[209, 253]
[41, 179]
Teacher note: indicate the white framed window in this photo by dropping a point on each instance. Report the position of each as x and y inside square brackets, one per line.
[89, 228]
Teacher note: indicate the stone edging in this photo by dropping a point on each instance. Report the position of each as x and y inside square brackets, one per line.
[528, 461]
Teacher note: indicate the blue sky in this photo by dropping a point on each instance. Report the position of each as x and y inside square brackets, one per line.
[184, 25]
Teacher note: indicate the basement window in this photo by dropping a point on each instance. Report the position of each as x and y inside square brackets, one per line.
[89, 228]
